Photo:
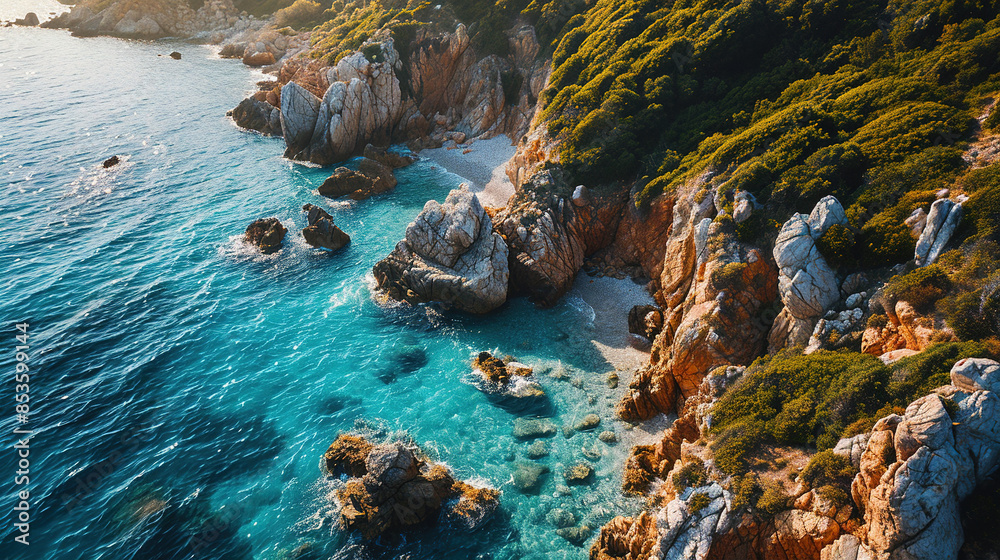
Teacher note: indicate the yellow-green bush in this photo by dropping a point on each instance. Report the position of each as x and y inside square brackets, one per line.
[299, 14]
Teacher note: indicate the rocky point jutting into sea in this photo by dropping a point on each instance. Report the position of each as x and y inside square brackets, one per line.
[808, 194]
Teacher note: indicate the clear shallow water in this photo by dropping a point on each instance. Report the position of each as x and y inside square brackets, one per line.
[184, 388]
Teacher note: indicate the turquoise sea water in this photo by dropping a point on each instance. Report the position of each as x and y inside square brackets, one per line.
[184, 388]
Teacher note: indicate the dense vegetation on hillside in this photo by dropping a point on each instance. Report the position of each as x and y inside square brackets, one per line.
[813, 400]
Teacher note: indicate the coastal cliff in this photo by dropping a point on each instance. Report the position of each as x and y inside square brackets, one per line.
[808, 192]
[800, 232]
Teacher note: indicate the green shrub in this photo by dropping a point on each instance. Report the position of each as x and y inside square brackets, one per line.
[827, 468]
[774, 500]
[922, 288]
[837, 246]
[698, 502]
[730, 276]
[691, 475]
[918, 375]
[792, 399]
[877, 321]
[746, 490]
[299, 14]
[835, 494]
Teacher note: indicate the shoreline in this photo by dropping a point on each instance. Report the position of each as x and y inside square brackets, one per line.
[483, 167]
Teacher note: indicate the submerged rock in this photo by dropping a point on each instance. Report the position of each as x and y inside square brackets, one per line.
[528, 477]
[578, 474]
[575, 535]
[540, 448]
[560, 518]
[266, 234]
[450, 254]
[531, 428]
[589, 422]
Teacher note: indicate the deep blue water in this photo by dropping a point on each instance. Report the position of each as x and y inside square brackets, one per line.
[184, 388]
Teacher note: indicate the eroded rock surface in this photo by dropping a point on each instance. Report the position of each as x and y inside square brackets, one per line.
[450, 254]
[806, 282]
[266, 234]
[393, 487]
[549, 236]
[321, 231]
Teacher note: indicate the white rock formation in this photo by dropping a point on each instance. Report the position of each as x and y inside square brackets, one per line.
[450, 254]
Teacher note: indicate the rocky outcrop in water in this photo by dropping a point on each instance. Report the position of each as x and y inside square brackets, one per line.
[363, 104]
[266, 234]
[321, 231]
[372, 178]
[392, 487]
[451, 255]
[455, 95]
[30, 19]
[253, 114]
[150, 19]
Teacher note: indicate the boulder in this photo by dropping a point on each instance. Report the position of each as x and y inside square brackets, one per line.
[362, 104]
[645, 320]
[976, 374]
[450, 254]
[528, 477]
[917, 468]
[381, 174]
[253, 114]
[941, 223]
[321, 231]
[532, 428]
[111, 162]
[807, 284]
[349, 183]
[30, 19]
[580, 473]
[258, 59]
[266, 234]
[175, 55]
[549, 236]
[743, 206]
[299, 111]
[916, 222]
